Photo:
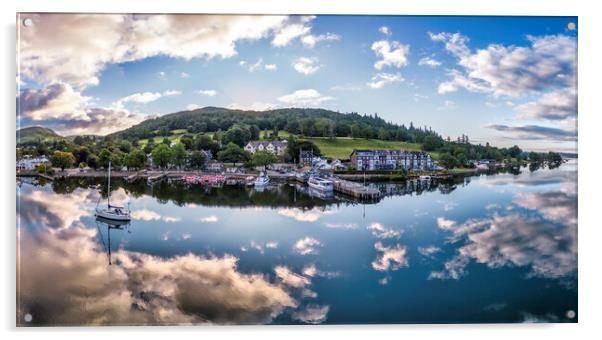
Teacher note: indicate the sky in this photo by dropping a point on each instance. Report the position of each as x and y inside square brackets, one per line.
[503, 80]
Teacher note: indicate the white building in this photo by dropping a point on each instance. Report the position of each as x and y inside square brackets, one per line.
[31, 163]
[276, 147]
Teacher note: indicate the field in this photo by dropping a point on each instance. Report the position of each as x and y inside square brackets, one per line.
[341, 147]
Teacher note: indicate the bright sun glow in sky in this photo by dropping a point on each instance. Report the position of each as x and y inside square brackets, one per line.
[506, 80]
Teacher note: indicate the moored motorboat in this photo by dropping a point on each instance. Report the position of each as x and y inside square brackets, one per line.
[320, 183]
[262, 180]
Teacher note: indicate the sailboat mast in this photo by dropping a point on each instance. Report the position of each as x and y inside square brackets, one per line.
[109, 187]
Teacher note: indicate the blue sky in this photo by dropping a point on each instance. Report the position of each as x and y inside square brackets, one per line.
[507, 80]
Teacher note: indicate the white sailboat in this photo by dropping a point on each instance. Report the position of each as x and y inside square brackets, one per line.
[262, 180]
[112, 212]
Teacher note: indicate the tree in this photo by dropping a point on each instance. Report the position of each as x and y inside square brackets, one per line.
[187, 141]
[62, 159]
[125, 146]
[431, 143]
[93, 161]
[448, 161]
[162, 155]
[105, 157]
[514, 151]
[81, 154]
[263, 158]
[197, 160]
[179, 154]
[238, 135]
[136, 159]
[233, 153]
[148, 148]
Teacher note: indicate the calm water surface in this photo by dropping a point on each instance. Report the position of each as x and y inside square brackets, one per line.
[490, 248]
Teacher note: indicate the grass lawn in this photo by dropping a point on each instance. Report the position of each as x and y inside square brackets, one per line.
[281, 134]
[341, 147]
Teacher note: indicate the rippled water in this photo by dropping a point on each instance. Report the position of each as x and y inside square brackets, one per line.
[495, 248]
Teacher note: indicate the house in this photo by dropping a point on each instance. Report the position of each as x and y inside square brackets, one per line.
[391, 160]
[214, 166]
[277, 147]
[31, 163]
[306, 157]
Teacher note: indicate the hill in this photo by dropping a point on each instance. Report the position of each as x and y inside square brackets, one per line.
[36, 133]
[304, 122]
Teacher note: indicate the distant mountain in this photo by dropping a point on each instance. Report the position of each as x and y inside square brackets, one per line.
[35, 133]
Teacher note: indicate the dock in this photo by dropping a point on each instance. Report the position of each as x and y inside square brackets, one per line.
[157, 177]
[355, 190]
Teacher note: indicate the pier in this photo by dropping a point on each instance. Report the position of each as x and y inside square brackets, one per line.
[355, 190]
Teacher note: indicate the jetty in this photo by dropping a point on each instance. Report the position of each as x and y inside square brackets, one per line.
[355, 190]
[157, 177]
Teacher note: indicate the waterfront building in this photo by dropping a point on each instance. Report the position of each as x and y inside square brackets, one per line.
[277, 147]
[30, 163]
[391, 160]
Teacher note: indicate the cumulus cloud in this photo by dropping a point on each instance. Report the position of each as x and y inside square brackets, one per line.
[429, 251]
[208, 93]
[392, 53]
[445, 224]
[548, 249]
[209, 219]
[145, 215]
[307, 246]
[430, 62]
[306, 65]
[548, 62]
[312, 271]
[138, 289]
[119, 38]
[379, 80]
[536, 132]
[290, 278]
[311, 40]
[392, 258]
[305, 98]
[271, 67]
[61, 108]
[380, 231]
[555, 105]
[292, 31]
[254, 106]
[385, 30]
[312, 314]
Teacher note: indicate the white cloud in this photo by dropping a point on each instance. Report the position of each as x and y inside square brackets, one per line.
[305, 98]
[209, 93]
[392, 53]
[185, 289]
[312, 271]
[184, 75]
[312, 314]
[121, 38]
[429, 250]
[555, 105]
[393, 258]
[445, 224]
[306, 65]
[385, 30]
[292, 31]
[430, 62]
[271, 67]
[170, 93]
[191, 107]
[341, 225]
[381, 79]
[311, 40]
[307, 246]
[549, 62]
[255, 106]
[380, 231]
[290, 278]
[209, 219]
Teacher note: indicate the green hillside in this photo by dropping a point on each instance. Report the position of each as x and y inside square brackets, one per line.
[341, 147]
[36, 133]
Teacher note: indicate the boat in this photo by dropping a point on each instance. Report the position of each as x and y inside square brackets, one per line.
[112, 212]
[425, 177]
[262, 180]
[320, 183]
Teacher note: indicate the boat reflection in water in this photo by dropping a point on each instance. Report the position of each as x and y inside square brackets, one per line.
[110, 224]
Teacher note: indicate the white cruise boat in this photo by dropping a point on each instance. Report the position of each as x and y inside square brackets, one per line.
[321, 184]
[262, 180]
[112, 212]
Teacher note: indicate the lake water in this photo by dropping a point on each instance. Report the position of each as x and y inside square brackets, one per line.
[489, 248]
